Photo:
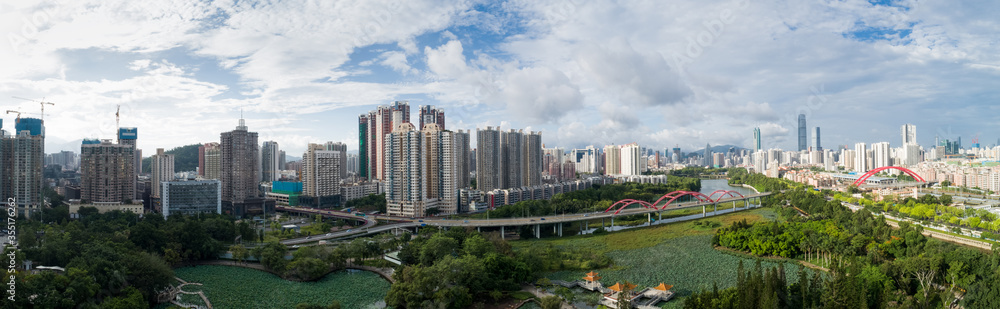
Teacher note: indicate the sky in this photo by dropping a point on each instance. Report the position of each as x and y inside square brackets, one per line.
[596, 72]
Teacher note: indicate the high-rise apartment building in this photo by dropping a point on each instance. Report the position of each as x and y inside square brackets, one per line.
[860, 157]
[612, 160]
[239, 170]
[463, 160]
[421, 171]
[23, 160]
[585, 159]
[213, 163]
[269, 159]
[531, 159]
[802, 132]
[372, 129]
[631, 159]
[364, 149]
[130, 136]
[430, 114]
[881, 155]
[488, 162]
[511, 158]
[321, 170]
[341, 149]
[107, 173]
[162, 168]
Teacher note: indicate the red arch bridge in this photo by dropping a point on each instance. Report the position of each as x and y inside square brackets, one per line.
[861, 180]
[676, 200]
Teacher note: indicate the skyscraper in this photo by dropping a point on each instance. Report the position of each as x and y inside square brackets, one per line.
[23, 160]
[430, 114]
[488, 175]
[909, 134]
[531, 159]
[269, 157]
[341, 149]
[321, 171]
[880, 155]
[860, 158]
[708, 155]
[129, 136]
[162, 168]
[612, 160]
[421, 171]
[511, 156]
[585, 159]
[364, 168]
[802, 132]
[106, 172]
[756, 139]
[631, 159]
[213, 164]
[376, 125]
[462, 158]
[239, 170]
[816, 141]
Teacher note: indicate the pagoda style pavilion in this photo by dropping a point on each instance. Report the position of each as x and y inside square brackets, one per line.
[591, 281]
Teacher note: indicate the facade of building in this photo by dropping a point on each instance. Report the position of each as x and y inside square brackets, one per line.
[909, 134]
[488, 175]
[421, 169]
[802, 132]
[531, 159]
[213, 163]
[511, 158]
[360, 190]
[377, 124]
[430, 114]
[239, 169]
[270, 157]
[816, 140]
[106, 172]
[23, 159]
[756, 139]
[340, 148]
[191, 197]
[860, 157]
[162, 170]
[612, 160]
[321, 169]
[463, 159]
[631, 160]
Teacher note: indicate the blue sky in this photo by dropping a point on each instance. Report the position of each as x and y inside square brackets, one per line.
[659, 73]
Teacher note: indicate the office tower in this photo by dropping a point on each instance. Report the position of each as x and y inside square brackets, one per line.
[106, 172]
[281, 160]
[239, 170]
[430, 114]
[321, 171]
[531, 159]
[802, 132]
[708, 155]
[269, 157]
[816, 141]
[462, 158]
[23, 162]
[676, 157]
[911, 154]
[511, 156]
[860, 157]
[612, 160]
[488, 162]
[191, 197]
[364, 140]
[631, 159]
[341, 148]
[908, 133]
[421, 171]
[756, 139]
[377, 124]
[162, 168]
[718, 159]
[352, 164]
[880, 155]
[213, 157]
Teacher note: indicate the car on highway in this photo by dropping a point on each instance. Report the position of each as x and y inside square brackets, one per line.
[543, 219]
[466, 221]
[296, 246]
[420, 220]
[350, 230]
[532, 220]
[309, 237]
[586, 215]
[329, 234]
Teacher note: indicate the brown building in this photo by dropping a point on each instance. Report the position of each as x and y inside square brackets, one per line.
[107, 172]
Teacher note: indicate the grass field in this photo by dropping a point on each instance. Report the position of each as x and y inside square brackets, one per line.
[679, 254]
[235, 287]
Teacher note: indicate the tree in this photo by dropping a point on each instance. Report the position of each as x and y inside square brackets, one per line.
[924, 269]
[240, 253]
[132, 299]
[272, 256]
[553, 302]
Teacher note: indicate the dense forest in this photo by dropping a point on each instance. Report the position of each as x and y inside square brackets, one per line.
[185, 158]
[871, 265]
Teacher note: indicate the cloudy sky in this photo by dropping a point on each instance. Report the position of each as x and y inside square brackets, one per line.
[661, 73]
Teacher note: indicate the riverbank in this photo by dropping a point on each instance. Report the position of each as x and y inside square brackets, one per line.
[385, 273]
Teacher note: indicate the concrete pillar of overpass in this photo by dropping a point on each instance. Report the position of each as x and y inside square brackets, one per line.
[478, 230]
[716, 210]
[703, 209]
[612, 221]
[649, 218]
[560, 229]
[538, 231]
[502, 236]
[553, 229]
[661, 216]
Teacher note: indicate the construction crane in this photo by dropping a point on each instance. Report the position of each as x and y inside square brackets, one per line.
[42, 103]
[117, 110]
[15, 112]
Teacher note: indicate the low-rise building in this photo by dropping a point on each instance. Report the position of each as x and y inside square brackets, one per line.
[191, 197]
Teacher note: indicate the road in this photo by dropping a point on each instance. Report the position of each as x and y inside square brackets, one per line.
[370, 223]
[929, 232]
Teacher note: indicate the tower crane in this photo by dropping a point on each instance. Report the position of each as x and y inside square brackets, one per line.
[42, 103]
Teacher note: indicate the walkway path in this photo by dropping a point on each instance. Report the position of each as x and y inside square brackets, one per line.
[199, 293]
[542, 294]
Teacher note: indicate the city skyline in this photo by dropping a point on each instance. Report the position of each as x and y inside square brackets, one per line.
[540, 66]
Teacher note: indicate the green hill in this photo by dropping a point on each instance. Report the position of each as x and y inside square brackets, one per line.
[185, 158]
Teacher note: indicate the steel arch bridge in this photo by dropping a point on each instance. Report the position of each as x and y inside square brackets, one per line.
[861, 180]
[669, 198]
[724, 193]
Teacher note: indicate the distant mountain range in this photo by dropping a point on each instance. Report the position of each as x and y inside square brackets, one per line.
[720, 148]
